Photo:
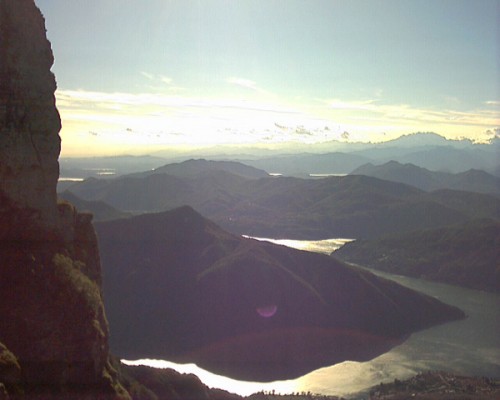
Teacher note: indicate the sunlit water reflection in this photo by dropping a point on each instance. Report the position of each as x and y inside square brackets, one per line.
[469, 347]
[325, 246]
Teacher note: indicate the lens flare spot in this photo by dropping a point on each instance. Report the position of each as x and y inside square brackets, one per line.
[267, 311]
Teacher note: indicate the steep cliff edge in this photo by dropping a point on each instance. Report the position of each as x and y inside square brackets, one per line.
[52, 315]
[53, 329]
[29, 121]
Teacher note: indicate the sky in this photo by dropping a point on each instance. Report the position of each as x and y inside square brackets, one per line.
[136, 76]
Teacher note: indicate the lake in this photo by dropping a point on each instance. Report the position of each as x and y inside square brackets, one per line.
[468, 347]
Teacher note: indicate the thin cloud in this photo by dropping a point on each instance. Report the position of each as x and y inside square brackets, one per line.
[147, 75]
[158, 79]
[71, 99]
[166, 80]
[351, 105]
[403, 112]
[247, 84]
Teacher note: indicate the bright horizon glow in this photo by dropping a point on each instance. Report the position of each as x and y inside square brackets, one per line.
[135, 123]
[192, 74]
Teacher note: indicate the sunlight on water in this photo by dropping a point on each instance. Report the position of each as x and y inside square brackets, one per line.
[69, 179]
[326, 246]
[325, 175]
[220, 382]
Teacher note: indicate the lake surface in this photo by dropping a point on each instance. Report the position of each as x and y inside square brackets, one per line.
[468, 347]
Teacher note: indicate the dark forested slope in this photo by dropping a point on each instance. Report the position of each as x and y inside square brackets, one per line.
[466, 255]
[351, 206]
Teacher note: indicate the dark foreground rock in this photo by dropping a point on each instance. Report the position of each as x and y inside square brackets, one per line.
[53, 330]
[29, 121]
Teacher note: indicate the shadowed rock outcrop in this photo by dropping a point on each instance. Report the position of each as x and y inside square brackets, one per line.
[52, 322]
[29, 121]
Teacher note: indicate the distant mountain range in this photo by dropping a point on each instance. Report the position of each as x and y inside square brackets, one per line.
[305, 164]
[435, 158]
[449, 159]
[471, 181]
[180, 287]
[426, 150]
[465, 255]
[351, 206]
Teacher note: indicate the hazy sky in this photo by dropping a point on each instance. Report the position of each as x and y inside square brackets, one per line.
[183, 72]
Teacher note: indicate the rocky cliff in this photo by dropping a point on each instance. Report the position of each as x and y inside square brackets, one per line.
[52, 322]
[29, 121]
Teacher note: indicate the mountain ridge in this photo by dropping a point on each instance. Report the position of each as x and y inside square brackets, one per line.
[353, 206]
[472, 180]
[195, 166]
[242, 298]
[427, 150]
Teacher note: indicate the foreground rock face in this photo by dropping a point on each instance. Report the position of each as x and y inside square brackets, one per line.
[53, 330]
[52, 315]
[29, 121]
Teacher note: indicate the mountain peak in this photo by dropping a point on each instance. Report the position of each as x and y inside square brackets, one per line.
[198, 166]
[420, 139]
